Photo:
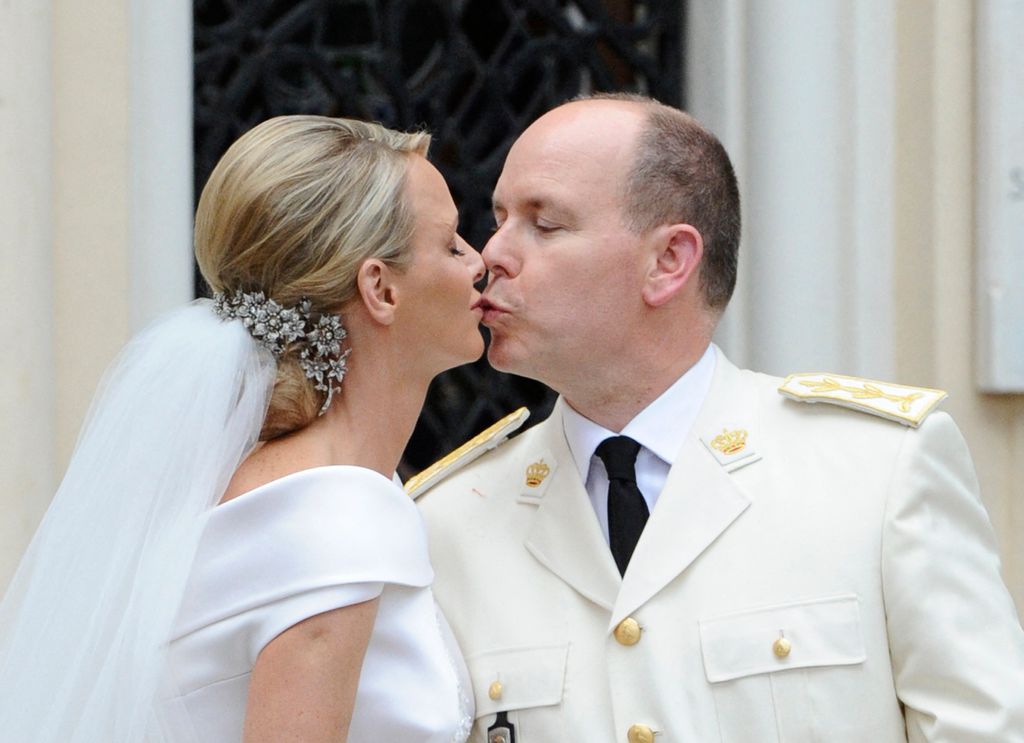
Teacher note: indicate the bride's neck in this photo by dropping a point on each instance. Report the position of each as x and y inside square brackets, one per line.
[367, 425]
[371, 419]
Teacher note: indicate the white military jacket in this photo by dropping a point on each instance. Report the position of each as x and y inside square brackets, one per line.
[833, 579]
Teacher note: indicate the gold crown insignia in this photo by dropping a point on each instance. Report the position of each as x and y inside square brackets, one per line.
[536, 473]
[730, 442]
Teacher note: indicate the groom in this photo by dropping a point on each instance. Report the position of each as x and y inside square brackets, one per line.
[686, 551]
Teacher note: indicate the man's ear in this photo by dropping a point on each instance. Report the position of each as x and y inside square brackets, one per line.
[375, 283]
[678, 249]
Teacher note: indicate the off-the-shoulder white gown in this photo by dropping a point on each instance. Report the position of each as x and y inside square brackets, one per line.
[307, 543]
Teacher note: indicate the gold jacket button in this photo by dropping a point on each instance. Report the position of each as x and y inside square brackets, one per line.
[494, 692]
[628, 632]
[781, 647]
[640, 734]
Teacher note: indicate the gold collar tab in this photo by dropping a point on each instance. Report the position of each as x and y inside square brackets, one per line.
[897, 402]
[477, 446]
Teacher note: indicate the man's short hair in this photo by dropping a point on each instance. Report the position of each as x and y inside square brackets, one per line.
[682, 174]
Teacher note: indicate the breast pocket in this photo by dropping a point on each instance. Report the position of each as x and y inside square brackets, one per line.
[526, 684]
[761, 663]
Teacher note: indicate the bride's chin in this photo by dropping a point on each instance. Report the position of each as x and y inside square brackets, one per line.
[474, 349]
[479, 347]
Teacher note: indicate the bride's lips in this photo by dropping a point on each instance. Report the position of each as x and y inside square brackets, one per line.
[491, 311]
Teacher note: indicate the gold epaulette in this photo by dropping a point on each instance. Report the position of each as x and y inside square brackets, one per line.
[897, 402]
[480, 444]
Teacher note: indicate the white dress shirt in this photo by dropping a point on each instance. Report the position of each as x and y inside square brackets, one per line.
[660, 429]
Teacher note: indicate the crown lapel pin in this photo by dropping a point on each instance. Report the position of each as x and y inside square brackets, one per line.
[730, 442]
[536, 473]
[537, 476]
[731, 448]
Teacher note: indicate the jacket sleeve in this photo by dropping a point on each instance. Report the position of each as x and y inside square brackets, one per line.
[956, 642]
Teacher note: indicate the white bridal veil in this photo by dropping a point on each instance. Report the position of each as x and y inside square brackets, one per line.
[84, 623]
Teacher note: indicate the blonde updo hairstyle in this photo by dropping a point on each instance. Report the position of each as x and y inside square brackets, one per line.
[293, 208]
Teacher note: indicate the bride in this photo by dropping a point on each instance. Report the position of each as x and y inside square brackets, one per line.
[228, 557]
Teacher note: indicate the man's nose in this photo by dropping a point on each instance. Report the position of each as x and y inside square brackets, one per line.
[498, 253]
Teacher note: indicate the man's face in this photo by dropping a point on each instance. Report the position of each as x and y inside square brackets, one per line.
[565, 272]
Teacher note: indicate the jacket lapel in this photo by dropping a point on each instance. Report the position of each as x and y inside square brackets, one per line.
[565, 536]
[701, 497]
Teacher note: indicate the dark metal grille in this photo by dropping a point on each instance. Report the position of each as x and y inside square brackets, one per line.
[473, 72]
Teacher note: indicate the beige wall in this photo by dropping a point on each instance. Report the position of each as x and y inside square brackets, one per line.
[91, 199]
[27, 395]
[95, 229]
[935, 265]
[66, 291]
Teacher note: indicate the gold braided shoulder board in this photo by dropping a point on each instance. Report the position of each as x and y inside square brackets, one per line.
[480, 444]
[897, 402]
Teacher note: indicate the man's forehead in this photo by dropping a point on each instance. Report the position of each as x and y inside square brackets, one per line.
[532, 201]
[549, 178]
[539, 181]
[594, 124]
[578, 142]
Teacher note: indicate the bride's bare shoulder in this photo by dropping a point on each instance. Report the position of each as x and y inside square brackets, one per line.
[272, 461]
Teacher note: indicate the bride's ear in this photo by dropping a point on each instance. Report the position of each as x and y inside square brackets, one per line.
[376, 286]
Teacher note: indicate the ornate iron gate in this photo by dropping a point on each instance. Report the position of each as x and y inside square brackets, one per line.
[473, 72]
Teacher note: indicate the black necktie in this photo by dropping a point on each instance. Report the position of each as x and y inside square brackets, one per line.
[627, 509]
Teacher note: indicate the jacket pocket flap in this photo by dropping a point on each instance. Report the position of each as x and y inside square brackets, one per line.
[818, 632]
[517, 677]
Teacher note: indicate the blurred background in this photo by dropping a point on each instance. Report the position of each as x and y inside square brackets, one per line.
[879, 146]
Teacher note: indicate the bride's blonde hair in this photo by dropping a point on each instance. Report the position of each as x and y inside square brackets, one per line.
[292, 209]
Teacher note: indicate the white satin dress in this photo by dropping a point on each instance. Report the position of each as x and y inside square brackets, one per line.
[307, 543]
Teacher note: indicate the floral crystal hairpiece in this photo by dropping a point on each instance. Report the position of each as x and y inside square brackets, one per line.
[277, 328]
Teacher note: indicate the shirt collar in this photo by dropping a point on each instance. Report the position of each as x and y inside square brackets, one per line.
[661, 427]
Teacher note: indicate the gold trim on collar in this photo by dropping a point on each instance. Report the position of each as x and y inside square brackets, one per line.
[480, 444]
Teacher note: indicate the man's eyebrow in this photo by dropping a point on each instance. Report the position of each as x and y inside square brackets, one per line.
[534, 204]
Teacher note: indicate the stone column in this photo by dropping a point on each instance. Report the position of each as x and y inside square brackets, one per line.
[123, 189]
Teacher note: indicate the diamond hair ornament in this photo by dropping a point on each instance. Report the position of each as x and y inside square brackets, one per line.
[278, 328]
